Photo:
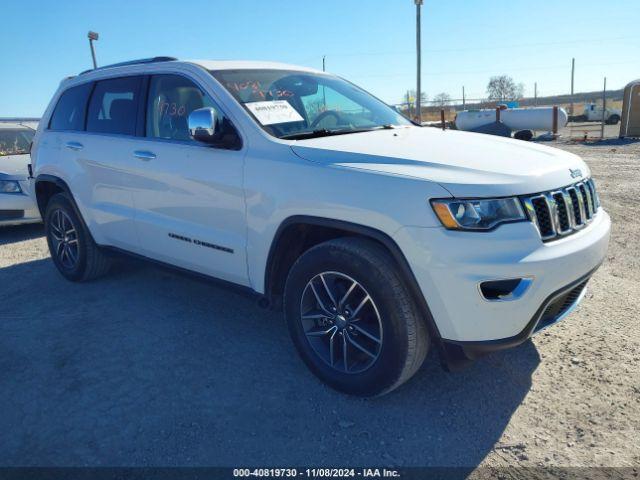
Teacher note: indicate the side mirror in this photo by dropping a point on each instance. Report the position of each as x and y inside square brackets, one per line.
[202, 125]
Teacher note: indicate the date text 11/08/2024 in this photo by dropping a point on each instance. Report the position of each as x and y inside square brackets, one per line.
[317, 472]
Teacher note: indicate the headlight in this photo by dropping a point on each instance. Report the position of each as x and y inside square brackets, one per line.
[481, 214]
[9, 186]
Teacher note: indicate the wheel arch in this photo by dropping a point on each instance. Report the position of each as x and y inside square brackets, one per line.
[46, 186]
[309, 231]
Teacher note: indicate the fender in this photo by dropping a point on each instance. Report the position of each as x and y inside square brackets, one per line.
[58, 182]
[405, 270]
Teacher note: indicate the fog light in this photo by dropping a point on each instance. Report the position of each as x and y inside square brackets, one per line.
[505, 290]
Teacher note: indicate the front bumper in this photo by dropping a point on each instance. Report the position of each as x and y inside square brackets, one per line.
[553, 310]
[18, 208]
[450, 265]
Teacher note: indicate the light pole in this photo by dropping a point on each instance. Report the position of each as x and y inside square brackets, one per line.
[93, 36]
[419, 61]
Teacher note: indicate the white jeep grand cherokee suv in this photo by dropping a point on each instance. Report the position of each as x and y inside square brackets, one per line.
[377, 237]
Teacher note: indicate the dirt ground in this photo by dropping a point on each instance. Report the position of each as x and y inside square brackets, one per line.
[148, 367]
[592, 130]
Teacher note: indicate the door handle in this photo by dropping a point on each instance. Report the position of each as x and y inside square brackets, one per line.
[144, 155]
[74, 146]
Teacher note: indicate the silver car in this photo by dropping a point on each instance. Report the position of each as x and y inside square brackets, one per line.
[16, 203]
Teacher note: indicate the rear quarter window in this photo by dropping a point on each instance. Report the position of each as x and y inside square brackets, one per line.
[69, 113]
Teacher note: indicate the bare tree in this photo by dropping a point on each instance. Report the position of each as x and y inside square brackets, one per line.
[411, 96]
[442, 99]
[502, 88]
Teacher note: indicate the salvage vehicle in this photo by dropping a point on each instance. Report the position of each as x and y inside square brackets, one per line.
[377, 238]
[16, 203]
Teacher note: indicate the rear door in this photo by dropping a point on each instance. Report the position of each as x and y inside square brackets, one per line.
[60, 143]
[111, 126]
[189, 196]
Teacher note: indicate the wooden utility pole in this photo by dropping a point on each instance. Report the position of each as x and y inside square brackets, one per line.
[604, 108]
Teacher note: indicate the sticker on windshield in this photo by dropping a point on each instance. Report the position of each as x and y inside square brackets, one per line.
[276, 111]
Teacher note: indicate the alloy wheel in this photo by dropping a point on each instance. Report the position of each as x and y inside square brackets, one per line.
[65, 239]
[341, 322]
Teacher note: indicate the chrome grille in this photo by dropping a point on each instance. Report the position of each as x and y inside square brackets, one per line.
[561, 212]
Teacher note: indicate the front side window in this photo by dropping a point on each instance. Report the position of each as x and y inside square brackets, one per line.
[70, 109]
[172, 98]
[15, 142]
[114, 106]
[290, 104]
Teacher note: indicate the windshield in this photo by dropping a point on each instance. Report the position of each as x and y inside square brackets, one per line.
[15, 142]
[297, 105]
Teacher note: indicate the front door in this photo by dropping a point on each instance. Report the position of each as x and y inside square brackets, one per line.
[189, 199]
[111, 124]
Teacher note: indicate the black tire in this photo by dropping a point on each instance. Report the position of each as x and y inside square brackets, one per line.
[524, 135]
[404, 336]
[89, 260]
[613, 120]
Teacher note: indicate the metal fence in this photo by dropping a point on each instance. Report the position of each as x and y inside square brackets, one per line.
[443, 114]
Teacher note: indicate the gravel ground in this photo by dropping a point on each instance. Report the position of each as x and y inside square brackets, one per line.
[147, 367]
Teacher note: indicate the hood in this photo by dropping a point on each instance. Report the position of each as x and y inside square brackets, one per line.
[14, 167]
[466, 164]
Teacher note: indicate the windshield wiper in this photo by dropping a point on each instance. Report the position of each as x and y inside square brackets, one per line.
[321, 132]
[324, 132]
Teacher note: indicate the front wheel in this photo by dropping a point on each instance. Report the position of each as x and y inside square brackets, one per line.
[352, 318]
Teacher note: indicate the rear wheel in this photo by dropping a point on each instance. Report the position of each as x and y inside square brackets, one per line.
[352, 319]
[72, 248]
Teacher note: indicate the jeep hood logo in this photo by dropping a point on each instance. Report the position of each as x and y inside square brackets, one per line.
[575, 173]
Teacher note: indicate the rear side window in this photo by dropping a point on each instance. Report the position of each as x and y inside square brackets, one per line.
[70, 109]
[114, 106]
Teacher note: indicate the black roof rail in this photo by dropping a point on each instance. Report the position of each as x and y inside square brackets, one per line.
[132, 62]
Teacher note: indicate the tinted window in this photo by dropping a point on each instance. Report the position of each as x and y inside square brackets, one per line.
[114, 105]
[171, 99]
[70, 109]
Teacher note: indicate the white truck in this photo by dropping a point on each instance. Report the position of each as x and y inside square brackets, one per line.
[593, 113]
[376, 237]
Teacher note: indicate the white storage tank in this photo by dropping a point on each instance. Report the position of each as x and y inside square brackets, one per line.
[538, 118]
